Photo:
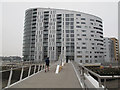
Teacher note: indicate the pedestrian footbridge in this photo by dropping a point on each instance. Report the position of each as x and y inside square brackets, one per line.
[72, 75]
[65, 79]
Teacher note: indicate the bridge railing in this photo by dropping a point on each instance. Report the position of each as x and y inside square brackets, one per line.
[14, 75]
[85, 72]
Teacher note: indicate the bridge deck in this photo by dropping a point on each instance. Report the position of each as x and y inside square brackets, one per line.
[65, 79]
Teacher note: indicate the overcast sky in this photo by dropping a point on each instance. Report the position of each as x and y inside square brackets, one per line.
[13, 20]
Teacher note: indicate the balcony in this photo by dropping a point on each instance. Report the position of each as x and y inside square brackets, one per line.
[58, 44]
[58, 40]
[46, 32]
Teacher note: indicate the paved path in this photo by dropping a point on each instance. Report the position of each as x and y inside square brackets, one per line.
[65, 79]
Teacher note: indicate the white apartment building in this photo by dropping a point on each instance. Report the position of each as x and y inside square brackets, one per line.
[109, 50]
[51, 32]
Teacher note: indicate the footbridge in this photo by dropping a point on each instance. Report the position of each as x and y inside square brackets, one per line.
[70, 75]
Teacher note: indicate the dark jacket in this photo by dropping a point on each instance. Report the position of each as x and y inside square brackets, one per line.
[47, 61]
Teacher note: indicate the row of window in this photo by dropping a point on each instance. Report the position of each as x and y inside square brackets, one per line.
[69, 31]
[80, 56]
[69, 35]
[88, 61]
[68, 39]
[91, 47]
[90, 52]
[82, 47]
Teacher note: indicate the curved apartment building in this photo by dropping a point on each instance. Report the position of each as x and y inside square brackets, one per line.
[54, 32]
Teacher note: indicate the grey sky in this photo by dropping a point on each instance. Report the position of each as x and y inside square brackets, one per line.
[13, 20]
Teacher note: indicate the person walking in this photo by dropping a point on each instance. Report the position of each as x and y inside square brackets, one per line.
[47, 61]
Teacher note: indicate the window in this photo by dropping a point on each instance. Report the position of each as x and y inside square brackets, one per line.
[86, 26]
[92, 35]
[72, 35]
[78, 26]
[79, 56]
[83, 34]
[83, 19]
[71, 23]
[77, 34]
[91, 23]
[83, 30]
[92, 47]
[91, 19]
[83, 47]
[67, 19]
[80, 61]
[79, 39]
[99, 32]
[95, 61]
[92, 31]
[100, 25]
[67, 15]
[67, 35]
[71, 27]
[72, 31]
[98, 21]
[79, 51]
[86, 61]
[93, 43]
[87, 56]
[78, 47]
[67, 23]
[72, 19]
[78, 14]
[77, 22]
[72, 39]
[83, 43]
[67, 39]
[95, 56]
[83, 23]
[67, 31]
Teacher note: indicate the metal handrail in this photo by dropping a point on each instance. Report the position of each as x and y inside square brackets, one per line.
[97, 75]
[18, 67]
[36, 70]
[83, 69]
[21, 74]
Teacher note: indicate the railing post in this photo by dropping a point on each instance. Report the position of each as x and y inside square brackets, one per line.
[21, 73]
[87, 73]
[38, 68]
[83, 73]
[105, 84]
[35, 68]
[100, 84]
[29, 70]
[9, 81]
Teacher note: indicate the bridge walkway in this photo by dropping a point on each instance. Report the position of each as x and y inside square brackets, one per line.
[65, 79]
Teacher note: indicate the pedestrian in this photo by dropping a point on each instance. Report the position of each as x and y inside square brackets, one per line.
[47, 61]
